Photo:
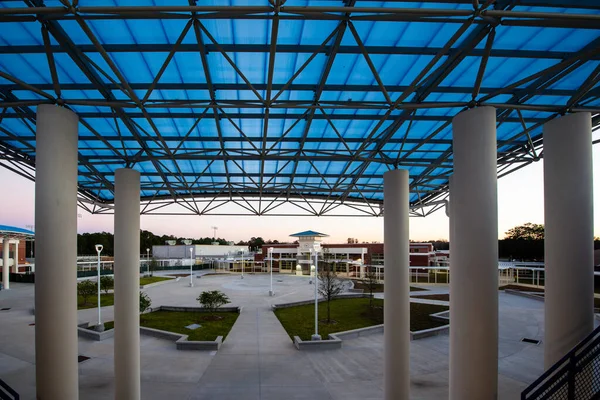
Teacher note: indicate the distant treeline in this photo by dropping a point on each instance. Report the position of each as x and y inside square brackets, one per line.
[526, 250]
[515, 249]
[86, 242]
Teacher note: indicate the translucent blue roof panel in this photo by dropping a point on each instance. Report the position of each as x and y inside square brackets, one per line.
[311, 101]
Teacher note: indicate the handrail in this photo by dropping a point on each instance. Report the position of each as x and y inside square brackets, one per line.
[564, 369]
[6, 390]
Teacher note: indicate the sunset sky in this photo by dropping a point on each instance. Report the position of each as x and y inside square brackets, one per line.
[520, 200]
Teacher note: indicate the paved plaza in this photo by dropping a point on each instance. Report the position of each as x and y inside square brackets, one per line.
[258, 360]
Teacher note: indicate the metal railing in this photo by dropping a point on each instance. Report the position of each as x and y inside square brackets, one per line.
[7, 393]
[575, 376]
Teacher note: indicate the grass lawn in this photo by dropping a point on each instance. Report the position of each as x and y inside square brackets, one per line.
[175, 321]
[441, 297]
[378, 287]
[106, 299]
[350, 314]
[146, 280]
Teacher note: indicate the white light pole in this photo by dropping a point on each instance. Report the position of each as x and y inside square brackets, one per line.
[191, 265]
[242, 263]
[100, 326]
[147, 260]
[316, 336]
[271, 293]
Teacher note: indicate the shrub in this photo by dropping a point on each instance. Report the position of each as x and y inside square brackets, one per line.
[211, 300]
[107, 283]
[85, 289]
[145, 302]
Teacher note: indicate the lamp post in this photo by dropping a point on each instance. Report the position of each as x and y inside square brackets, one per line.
[147, 260]
[271, 293]
[100, 326]
[191, 265]
[242, 263]
[316, 336]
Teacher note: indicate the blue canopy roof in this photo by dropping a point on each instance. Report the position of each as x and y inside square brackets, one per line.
[309, 233]
[14, 232]
[257, 103]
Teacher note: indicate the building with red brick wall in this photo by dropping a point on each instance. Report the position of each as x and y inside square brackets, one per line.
[12, 241]
[22, 253]
[348, 257]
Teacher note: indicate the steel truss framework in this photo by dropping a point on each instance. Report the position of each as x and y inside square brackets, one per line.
[285, 107]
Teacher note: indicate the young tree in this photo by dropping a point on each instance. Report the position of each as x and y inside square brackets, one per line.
[106, 283]
[86, 289]
[329, 285]
[145, 302]
[371, 283]
[212, 300]
[152, 266]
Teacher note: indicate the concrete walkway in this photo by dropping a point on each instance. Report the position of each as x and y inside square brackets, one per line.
[258, 360]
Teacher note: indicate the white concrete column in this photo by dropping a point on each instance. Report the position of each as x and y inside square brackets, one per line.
[5, 267]
[396, 307]
[16, 257]
[56, 253]
[569, 234]
[451, 219]
[127, 284]
[474, 280]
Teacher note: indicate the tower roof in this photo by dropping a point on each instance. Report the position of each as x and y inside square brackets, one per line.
[309, 233]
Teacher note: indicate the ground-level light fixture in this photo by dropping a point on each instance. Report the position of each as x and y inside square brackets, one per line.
[271, 293]
[100, 326]
[315, 250]
[191, 265]
[242, 250]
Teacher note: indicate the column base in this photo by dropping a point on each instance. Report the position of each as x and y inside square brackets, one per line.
[99, 328]
[191, 284]
[271, 293]
[315, 337]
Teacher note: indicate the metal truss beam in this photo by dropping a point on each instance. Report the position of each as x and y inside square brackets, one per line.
[265, 48]
[290, 116]
[276, 86]
[449, 15]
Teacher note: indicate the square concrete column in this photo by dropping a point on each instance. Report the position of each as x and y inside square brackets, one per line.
[474, 258]
[56, 253]
[396, 306]
[5, 268]
[127, 284]
[16, 257]
[569, 234]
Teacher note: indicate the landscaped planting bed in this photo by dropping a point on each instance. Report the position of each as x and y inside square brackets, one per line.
[107, 326]
[440, 297]
[348, 314]
[522, 288]
[212, 325]
[106, 299]
[146, 280]
[378, 288]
